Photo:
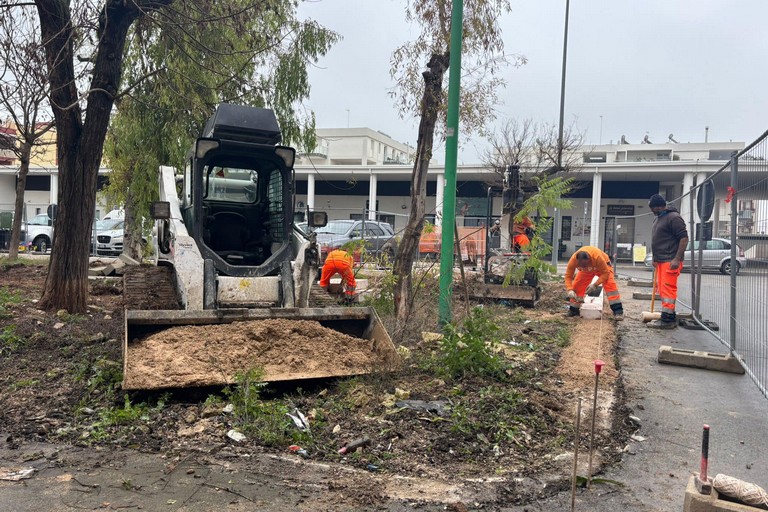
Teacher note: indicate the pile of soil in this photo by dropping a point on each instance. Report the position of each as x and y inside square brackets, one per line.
[201, 355]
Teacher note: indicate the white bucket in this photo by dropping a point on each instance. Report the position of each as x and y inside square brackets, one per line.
[592, 310]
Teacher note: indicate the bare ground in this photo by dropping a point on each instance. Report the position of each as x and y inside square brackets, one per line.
[495, 441]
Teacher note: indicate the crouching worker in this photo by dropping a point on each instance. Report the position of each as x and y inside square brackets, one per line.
[591, 262]
[339, 262]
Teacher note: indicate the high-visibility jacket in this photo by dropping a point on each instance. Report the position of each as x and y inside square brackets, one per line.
[339, 262]
[599, 264]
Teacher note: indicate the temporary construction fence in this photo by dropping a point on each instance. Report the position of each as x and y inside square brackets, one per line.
[731, 302]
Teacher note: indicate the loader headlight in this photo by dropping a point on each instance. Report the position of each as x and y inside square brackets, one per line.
[204, 146]
[287, 154]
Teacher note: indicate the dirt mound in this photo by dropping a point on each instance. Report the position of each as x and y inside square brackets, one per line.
[200, 355]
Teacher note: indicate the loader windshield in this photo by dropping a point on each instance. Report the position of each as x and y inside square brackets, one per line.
[231, 184]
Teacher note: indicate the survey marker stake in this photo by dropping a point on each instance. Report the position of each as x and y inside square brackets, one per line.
[598, 368]
[703, 484]
[575, 456]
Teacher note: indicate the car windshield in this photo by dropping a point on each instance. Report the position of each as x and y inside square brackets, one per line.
[109, 224]
[336, 227]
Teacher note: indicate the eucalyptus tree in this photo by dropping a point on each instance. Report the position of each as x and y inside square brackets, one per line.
[23, 99]
[183, 67]
[85, 45]
[419, 68]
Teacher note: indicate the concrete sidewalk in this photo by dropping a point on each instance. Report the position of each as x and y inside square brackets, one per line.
[673, 403]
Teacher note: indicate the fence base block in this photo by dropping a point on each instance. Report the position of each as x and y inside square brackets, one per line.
[689, 323]
[697, 502]
[699, 359]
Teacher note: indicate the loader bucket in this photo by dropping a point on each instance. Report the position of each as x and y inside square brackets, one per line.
[177, 349]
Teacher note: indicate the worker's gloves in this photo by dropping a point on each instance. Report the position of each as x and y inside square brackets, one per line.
[572, 295]
[591, 289]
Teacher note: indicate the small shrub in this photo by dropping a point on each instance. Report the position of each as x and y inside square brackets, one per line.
[469, 350]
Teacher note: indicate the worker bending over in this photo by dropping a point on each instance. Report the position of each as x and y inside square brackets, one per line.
[591, 262]
[521, 231]
[339, 262]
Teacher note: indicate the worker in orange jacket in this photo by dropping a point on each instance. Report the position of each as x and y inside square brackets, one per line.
[520, 230]
[591, 262]
[339, 262]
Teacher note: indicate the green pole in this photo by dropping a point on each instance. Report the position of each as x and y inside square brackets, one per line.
[451, 150]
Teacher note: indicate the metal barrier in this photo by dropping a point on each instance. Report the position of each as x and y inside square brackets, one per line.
[729, 290]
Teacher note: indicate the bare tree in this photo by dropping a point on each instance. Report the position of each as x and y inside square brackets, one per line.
[24, 99]
[535, 148]
[422, 93]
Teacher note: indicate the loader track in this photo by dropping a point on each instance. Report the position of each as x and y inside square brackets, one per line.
[150, 287]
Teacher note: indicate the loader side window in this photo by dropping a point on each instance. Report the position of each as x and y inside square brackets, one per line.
[276, 215]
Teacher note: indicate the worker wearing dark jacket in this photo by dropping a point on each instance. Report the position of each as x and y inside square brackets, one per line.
[669, 239]
[339, 262]
[591, 262]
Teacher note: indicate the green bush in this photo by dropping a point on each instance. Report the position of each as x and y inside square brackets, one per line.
[469, 349]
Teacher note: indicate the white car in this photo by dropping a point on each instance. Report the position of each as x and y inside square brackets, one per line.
[716, 255]
[39, 232]
[108, 236]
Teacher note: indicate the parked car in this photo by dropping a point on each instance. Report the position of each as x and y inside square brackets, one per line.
[39, 231]
[716, 255]
[109, 237]
[379, 237]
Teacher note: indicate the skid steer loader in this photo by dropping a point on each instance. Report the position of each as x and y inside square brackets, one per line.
[225, 228]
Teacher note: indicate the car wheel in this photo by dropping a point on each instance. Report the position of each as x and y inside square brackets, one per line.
[725, 268]
[42, 243]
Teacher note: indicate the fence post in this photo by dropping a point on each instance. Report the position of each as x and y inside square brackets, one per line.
[734, 233]
[692, 259]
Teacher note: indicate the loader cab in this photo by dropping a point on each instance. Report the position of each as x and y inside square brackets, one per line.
[236, 203]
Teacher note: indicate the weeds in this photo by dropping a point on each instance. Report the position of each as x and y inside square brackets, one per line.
[10, 342]
[8, 297]
[265, 421]
[469, 350]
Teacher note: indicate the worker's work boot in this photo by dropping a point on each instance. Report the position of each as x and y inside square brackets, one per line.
[661, 324]
[618, 316]
[572, 311]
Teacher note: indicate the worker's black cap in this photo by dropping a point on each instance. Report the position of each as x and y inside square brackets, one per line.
[656, 201]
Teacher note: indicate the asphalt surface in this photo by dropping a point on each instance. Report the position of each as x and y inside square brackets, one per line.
[672, 404]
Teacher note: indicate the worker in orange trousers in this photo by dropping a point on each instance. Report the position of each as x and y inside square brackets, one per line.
[339, 262]
[591, 262]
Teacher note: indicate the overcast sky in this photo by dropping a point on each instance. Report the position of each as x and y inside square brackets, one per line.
[655, 68]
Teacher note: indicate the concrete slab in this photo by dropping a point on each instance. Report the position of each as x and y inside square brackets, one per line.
[642, 284]
[697, 502]
[699, 359]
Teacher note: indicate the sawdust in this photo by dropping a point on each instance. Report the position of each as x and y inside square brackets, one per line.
[590, 340]
[208, 354]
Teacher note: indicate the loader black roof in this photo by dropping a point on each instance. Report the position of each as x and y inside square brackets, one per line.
[244, 124]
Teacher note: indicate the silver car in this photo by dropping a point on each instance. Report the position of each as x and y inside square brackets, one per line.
[716, 255]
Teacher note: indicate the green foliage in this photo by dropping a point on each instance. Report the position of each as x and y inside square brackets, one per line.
[549, 196]
[8, 297]
[469, 350]
[129, 413]
[384, 300]
[265, 421]
[101, 377]
[10, 341]
[202, 54]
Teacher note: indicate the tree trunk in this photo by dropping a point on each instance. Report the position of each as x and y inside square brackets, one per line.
[79, 145]
[18, 211]
[132, 245]
[431, 103]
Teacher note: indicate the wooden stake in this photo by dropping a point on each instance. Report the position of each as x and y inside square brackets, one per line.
[575, 456]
